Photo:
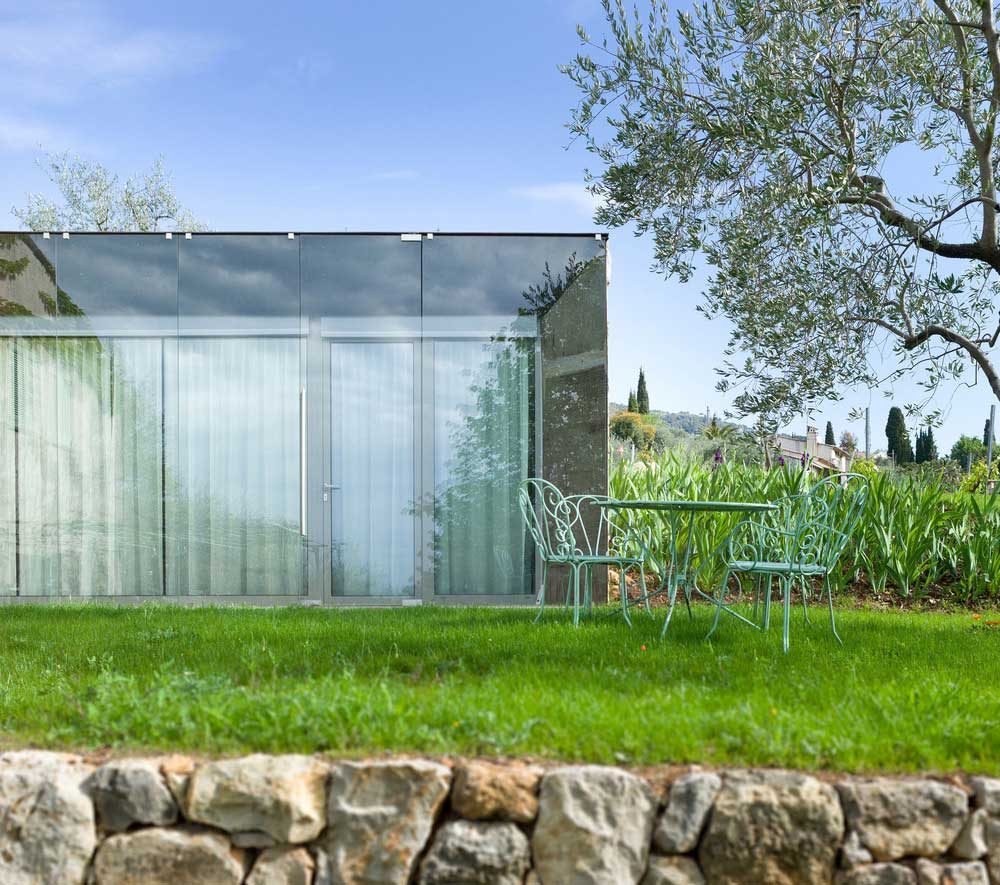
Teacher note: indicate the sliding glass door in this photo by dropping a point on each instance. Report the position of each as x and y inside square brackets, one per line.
[371, 493]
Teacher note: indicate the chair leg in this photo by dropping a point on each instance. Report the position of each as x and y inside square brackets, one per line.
[541, 591]
[576, 595]
[588, 599]
[643, 590]
[670, 609]
[829, 599]
[805, 608]
[756, 595]
[719, 598]
[767, 601]
[786, 613]
[624, 594]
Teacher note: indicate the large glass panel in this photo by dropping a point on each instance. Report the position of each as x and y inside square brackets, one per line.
[110, 466]
[8, 470]
[118, 283]
[27, 283]
[235, 283]
[482, 284]
[37, 411]
[233, 521]
[89, 466]
[369, 283]
[28, 306]
[372, 498]
[483, 446]
[234, 450]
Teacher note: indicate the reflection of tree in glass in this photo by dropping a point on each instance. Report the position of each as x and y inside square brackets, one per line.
[541, 296]
[480, 544]
[479, 540]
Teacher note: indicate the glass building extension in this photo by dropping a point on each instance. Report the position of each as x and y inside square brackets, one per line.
[333, 418]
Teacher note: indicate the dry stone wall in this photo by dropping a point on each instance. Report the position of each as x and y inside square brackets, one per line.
[305, 820]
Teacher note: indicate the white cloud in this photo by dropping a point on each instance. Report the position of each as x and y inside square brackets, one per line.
[18, 134]
[570, 193]
[56, 56]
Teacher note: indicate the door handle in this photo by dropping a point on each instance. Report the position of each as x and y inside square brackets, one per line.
[331, 486]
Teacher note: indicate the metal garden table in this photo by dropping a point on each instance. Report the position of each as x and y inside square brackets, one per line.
[675, 564]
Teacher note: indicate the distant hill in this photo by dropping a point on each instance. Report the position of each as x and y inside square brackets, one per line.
[686, 422]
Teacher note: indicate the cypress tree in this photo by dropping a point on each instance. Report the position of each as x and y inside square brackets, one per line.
[830, 440]
[633, 405]
[930, 447]
[892, 432]
[898, 440]
[642, 394]
[920, 451]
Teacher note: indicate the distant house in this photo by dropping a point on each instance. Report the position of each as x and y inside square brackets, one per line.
[821, 457]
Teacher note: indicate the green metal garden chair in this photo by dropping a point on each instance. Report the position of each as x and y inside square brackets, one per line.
[559, 526]
[801, 541]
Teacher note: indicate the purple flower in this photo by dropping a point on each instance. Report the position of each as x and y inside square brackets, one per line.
[781, 460]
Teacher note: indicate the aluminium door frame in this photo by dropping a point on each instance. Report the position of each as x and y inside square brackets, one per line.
[321, 446]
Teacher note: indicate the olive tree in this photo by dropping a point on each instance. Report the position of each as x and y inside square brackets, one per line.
[776, 140]
[92, 197]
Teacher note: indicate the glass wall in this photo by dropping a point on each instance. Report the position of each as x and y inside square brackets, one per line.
[340, 417]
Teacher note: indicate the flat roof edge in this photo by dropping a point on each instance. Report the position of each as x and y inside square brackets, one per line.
[325, 233]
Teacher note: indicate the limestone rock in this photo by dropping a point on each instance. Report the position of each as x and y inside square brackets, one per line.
[467, 852]
[252, 839]
[688, 805]
[971, 842]
[987, 794]
[131, 791]
[993, 848]
[594, 826]
[897, 818]
[380, 816]
[283, 796]
[879, 874]
[772, 828]
[168, 856]
[489, 791]
[676, 870]
[968, 873]
[47, 827]
[853, 853]
[177, 771]
[285, 865]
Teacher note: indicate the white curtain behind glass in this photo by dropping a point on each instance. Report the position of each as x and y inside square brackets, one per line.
[89, 466]
[110, 467]
[8, 537]
[233, 478]
[481, 453]
[372, 462]
[38, 465]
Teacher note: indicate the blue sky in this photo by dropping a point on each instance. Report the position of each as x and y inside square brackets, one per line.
[363, 116]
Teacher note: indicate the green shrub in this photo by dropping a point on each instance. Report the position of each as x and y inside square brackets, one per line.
[917, 534]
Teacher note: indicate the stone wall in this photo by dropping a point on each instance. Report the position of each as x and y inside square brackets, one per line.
[304, 819]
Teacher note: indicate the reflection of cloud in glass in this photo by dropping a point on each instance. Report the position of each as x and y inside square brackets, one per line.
[489, 275]
[360, 276]
[112, 275]
[239, 276]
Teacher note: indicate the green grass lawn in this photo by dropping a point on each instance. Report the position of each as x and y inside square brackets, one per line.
[908, 691]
